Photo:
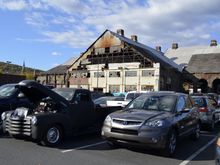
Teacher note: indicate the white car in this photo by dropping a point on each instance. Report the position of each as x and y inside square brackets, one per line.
[128, 97]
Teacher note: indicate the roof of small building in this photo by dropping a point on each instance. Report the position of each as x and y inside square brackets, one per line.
[204, 63]
[182, 55]
[61, 69]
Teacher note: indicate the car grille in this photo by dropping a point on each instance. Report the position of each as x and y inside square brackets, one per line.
[125, 131]
[18, 126]
[127, 122]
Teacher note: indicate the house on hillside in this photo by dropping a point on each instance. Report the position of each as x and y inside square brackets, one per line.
[115, 63]
[200, 62]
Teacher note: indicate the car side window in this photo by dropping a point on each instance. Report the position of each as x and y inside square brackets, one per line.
[82, 97]
[180, 104]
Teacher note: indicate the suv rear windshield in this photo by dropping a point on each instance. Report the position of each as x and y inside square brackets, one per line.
[199, 101]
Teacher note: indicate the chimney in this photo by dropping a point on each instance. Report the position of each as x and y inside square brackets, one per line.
[174, 45]
[213, 43]
[120, 32]
[134, 38]
[158, 48]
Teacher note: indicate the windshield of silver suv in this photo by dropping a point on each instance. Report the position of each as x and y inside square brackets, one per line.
[157, 103]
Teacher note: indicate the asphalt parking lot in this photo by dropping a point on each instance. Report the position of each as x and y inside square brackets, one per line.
[92, 149]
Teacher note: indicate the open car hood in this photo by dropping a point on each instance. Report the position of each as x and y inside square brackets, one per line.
[36, 92]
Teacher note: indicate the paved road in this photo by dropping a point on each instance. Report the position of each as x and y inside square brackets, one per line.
[92, 149]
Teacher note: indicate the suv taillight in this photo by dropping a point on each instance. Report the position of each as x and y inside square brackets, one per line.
[203, 109]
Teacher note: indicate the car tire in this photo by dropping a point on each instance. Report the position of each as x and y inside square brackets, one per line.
[171, 143]
[196, 132]
[52, 136]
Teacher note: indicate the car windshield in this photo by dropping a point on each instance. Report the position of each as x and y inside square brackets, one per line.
[67, 93]
[153, 102]
[7, 90]
[131, 96]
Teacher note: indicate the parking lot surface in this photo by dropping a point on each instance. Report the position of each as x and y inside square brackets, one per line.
[92, 149]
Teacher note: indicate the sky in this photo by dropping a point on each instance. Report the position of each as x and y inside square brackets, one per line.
[46, 33]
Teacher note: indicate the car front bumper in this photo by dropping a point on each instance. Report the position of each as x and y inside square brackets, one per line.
[143, 137]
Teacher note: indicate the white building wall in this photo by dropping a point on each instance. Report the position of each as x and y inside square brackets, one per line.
[122, 81]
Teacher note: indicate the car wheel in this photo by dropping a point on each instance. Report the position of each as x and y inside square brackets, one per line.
[52, 136]
[196, 132]
[171, 143]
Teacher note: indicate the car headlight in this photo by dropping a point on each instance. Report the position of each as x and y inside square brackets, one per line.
[108, 120]
[34, 120]
[3, 116]
[155, 123]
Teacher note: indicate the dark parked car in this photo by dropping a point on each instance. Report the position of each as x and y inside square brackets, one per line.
[156, 120]
[209, 115]
[11, 98]
[55, 114]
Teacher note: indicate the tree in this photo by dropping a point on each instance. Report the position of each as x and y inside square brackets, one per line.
[29, 76]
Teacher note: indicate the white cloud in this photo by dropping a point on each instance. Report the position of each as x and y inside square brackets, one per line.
[13, 4]
[76, 38]
[56, 54]
[156, 22]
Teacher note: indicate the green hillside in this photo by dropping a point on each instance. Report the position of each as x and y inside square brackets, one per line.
[6, 68]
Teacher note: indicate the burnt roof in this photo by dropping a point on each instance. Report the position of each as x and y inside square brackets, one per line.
[204, 63]
[153, 53]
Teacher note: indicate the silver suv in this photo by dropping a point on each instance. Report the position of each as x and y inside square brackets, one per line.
[208, 110]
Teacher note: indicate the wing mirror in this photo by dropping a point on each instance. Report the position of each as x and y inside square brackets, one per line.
[185, 110]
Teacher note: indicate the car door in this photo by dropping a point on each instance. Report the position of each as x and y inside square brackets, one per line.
[83, 108]
[183, 119]
[193, 114]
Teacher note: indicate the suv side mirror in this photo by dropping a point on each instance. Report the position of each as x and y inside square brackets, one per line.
[185, 110]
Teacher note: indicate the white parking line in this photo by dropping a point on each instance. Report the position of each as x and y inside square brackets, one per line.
[197, 152]
[83, 147]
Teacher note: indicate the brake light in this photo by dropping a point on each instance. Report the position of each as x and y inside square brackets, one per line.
[203, 109]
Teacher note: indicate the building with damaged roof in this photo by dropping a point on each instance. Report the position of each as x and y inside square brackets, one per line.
[115, 63]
